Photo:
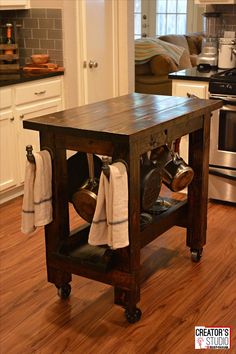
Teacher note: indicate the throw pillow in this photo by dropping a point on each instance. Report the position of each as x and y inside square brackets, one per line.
[192, 44]
[184, 62]
[162, 64]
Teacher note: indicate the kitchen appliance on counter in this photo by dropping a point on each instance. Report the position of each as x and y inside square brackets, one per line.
[227, 53]
[208, 58]
[209, 55]
[222, 163]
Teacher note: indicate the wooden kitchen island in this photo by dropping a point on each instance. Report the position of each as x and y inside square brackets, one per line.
[125, 128]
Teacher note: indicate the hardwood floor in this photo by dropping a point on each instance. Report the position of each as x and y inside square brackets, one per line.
[177, 296]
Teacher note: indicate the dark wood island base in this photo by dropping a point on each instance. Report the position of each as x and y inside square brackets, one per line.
[125, 128]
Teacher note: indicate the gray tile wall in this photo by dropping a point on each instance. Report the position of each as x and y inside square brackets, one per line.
[228, 16]
[40, 32]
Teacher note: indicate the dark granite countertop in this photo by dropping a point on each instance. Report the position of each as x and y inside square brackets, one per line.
[21, 76]
[193, 74]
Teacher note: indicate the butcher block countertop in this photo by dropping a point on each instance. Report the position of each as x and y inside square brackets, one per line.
[127, 118]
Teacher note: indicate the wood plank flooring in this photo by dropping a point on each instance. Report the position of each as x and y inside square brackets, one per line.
[177, 296]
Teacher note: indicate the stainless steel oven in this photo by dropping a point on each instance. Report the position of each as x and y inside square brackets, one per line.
[222, 163]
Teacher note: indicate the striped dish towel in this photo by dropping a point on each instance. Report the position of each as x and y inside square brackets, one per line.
[37, 200]
[146, 48]
[110, 221]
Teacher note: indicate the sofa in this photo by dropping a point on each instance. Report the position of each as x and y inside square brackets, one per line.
[151, 75]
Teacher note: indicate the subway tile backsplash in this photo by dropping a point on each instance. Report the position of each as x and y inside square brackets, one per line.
[40, 32]
[228, 16]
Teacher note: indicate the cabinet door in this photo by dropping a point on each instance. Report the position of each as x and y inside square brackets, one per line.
[29, 137]
[8, 169]
[14, 4]
[182, 88]
[99, 57]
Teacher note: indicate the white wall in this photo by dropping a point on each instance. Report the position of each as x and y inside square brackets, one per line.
[70, 53]
[130, 43]
[126, 46]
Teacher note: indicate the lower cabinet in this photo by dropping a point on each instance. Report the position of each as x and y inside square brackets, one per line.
[8, 137]
[183, 88]
[20, 102]
[31, 137]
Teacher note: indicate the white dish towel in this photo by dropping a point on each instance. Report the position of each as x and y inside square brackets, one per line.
[110, 221]
[37, 200]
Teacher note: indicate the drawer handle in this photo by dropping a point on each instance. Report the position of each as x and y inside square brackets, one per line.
[21, 116]
[40, 93]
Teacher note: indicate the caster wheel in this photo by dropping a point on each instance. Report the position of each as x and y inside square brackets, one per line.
[64, 291]
[196, 255]
[133, 317]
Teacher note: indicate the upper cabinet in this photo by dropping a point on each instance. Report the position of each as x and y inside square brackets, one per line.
[14, 4]
[209, 2]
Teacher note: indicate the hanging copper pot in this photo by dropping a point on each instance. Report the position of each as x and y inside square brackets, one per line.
[176, 174]
[85, 199]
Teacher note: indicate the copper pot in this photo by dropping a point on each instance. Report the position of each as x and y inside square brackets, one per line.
[85, 199]
[176, 174]
[83, 178]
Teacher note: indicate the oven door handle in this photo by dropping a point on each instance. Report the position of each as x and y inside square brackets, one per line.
[229, 107]
[223, 98]
[221, 174]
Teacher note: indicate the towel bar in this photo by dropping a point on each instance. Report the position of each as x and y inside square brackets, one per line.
[30, 155]
[106, 167]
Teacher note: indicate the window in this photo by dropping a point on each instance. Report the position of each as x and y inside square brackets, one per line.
[137, 18]
[159, 17]
[171, 17]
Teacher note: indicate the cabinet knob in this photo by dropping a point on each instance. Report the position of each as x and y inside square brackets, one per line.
[21, 116]
[93, 64]
[12, 118]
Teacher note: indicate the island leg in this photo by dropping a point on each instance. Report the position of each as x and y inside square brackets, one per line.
[129, 257]
[199, 143]
[58, 229]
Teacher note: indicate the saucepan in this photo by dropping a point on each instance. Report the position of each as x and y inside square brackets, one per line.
[176, 174]
[85, 199]
[83, 175]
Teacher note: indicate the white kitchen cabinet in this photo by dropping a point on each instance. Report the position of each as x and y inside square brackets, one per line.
[182, 88]
[213, 2]
[8, 168]
[14, 4]
[23, 101]
[26, 136]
